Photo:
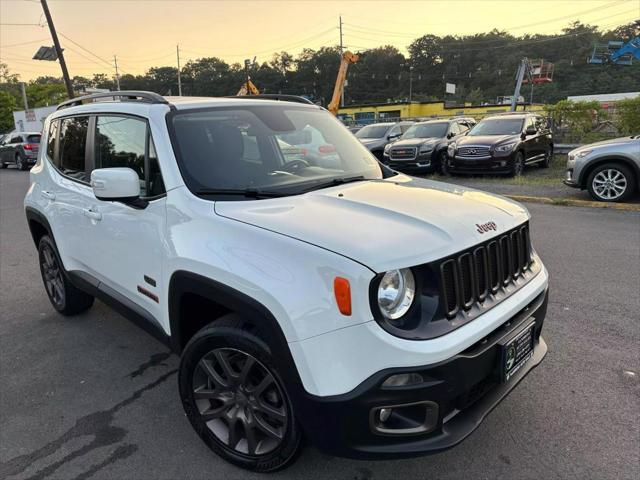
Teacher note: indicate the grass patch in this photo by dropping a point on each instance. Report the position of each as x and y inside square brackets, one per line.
[560, 201]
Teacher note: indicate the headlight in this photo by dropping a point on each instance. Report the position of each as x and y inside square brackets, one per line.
[396, 293]
[583, 153]
[387, 147]
[451, 149]
[426, 148]
[505, 148]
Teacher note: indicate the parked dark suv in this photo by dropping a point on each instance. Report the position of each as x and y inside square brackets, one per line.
[20, 148]
[423, 147]
[377, 135]
[503, 144]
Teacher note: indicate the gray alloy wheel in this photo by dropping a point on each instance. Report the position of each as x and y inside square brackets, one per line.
[19, 164]
[240, 401]
[609, 184]
[52, 276]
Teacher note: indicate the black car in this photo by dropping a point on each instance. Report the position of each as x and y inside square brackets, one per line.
[503, 144]
[377, 135]
[423, 147]
[20, 148]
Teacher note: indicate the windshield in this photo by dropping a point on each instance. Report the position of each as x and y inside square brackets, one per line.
[372, 131]
[498, 126]
[426, 130]
[284, 149]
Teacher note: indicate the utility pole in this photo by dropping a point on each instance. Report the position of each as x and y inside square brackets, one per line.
[246, 75]
[179, 80]
[56, 44]
[341, 52]
[24, 96]
[115, 62]
[410, 82]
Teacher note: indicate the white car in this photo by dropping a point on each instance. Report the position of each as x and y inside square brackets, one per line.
[375, 314]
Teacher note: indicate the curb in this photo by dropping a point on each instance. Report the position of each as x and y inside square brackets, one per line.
[576, 203]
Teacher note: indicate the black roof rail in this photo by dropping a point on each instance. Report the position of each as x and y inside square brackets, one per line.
[123, 95]
[276, 96]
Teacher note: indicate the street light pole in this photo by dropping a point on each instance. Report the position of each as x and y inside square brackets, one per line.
[56, 44]
[410, 82]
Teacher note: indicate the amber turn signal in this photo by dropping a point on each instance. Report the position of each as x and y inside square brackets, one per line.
[342, 291]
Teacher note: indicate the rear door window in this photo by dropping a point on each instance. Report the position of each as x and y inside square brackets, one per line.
[33, 139]
[72, 147]
[51, 139]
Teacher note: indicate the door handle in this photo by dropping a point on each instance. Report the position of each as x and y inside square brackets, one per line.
[49, 195]
[97, 216]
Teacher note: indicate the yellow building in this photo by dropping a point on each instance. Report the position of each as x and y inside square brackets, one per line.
[379, 112]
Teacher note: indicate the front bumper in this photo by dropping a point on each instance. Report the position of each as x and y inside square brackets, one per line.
[465, 388]
[501, 164]
[424, 162]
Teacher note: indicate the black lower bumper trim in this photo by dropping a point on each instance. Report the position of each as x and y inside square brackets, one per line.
[465, 388]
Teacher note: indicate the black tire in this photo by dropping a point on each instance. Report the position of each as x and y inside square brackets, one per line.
[548, 156]
[20, 163]
[517, 168]
[621, 187]
[443, 168]
[3, 165]
[379, 154]
[234, 339]
[63, 295]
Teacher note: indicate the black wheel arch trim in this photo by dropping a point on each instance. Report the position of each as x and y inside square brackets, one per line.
[596, 162]
[184, 282]
[34, 215]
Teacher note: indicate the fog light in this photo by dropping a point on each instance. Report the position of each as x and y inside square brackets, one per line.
[403, 380]
[385, 413]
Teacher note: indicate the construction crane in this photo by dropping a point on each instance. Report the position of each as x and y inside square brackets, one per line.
[616, 52]
[347, 58]
[248, 88]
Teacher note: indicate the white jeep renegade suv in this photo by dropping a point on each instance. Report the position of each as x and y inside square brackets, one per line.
[376, 314]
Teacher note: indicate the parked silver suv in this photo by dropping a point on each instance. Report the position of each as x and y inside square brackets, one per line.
[610, 170]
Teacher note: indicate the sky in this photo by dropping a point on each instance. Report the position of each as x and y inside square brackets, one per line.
[144, 33]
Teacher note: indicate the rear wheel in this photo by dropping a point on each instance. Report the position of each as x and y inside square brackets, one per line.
[611, 182]
[518, 165]
[65, 297]
[235, 398]
[3, 165]
[20, 164]
[546, 162]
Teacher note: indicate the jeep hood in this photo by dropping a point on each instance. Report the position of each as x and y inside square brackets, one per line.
[383, 224]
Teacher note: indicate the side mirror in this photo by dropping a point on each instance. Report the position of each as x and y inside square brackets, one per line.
[531, 130]
[394, 136]
[117, 184]
[451, 135]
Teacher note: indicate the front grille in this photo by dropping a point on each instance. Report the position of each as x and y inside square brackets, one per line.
[470, 276]
[474, 151]
[403, 153]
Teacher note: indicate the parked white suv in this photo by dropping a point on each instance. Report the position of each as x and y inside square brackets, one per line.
[376, 314]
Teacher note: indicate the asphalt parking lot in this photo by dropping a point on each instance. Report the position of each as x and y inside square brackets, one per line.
[95, 397]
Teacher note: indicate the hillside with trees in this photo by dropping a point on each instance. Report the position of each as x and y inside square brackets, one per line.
[482, 66]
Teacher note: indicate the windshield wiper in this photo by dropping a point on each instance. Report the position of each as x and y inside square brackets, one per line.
[334, 182]
[247, 192]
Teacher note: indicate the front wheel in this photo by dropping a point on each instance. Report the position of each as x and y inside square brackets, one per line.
[64, 296]
[611, 183]
[518, 165]
[444, 165]
[235, 398]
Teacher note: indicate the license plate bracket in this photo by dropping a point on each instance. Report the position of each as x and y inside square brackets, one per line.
[516, 351]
